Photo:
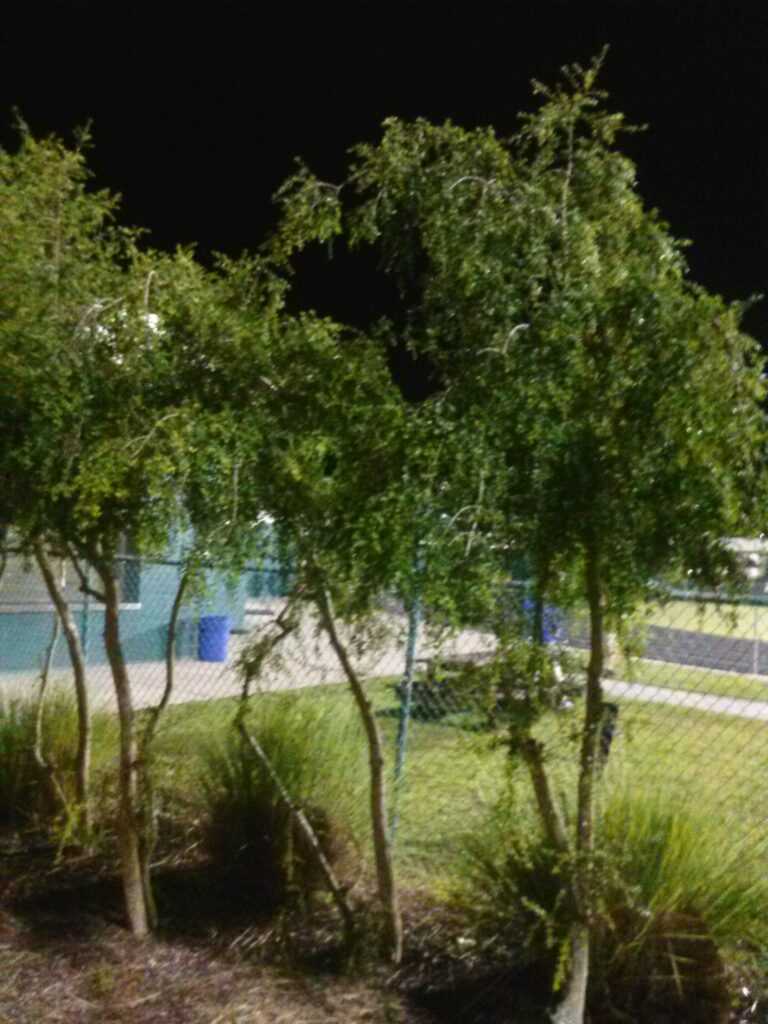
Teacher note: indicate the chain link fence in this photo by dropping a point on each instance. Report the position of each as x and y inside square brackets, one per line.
[687, 711]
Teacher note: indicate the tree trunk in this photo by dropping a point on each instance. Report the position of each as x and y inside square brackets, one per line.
[47, 768]
[573, 1006]
[147, 831]
[382, 845]
[170, 665]
[77, 659]
[138, 900]
[532, 751]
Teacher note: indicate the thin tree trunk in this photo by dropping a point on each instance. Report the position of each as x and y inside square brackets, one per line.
[146, 797]
[77, 659]
[251, 668]
[170, 665]
[573, 1006]
[532, 751]
[47, 767]
[382, 844]
[138, 901]
[572, 1009]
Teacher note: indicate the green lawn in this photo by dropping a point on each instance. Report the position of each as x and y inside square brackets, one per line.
[740, 621]
[696, 680]
[455, 770]
[674, 676]
[453, 775]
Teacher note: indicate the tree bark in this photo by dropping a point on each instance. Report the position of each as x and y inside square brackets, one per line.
[47, 767]
[77, 659]
[146, 809]
[532, 751]
[170, 665]
[382, 844]
[572, 1009]
[138, 900]
[573, 1006]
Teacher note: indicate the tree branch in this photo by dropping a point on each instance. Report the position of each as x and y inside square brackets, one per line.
[338, 892]
[532, 751]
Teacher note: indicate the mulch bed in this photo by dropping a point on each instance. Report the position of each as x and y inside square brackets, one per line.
[65, 957]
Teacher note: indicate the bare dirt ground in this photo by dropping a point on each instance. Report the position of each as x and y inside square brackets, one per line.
[66, 959]
[109, 978]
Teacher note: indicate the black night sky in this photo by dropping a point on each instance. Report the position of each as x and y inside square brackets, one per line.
[198, 109]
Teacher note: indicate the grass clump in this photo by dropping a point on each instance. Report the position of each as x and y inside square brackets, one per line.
[41, 793]
[314, 744]
[19, 776]
[27, 794]
[683, 903]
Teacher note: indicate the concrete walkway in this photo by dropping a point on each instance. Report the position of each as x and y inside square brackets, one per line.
[736, 706]
[305, 659]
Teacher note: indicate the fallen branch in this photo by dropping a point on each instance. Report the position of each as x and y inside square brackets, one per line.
[299, 818]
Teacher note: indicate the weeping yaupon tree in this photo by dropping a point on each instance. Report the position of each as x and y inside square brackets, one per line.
[601, 413]
[98, 418]
[297, 422]
[332, 481]
[59, 249]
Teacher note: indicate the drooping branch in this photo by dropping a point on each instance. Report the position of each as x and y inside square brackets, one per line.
[283, 625]
[85, 585]
[256, 654]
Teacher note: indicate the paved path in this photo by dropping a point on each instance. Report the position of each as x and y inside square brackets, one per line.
[304, 659]
[707, 650]
[690, 648]
[736, 706]
[307, 660]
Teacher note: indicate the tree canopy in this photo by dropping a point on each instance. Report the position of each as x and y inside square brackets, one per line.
[597, 416]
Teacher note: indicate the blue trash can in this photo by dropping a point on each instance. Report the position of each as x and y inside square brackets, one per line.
[552, 625]
[214, 638]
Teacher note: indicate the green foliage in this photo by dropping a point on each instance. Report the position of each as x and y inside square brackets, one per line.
[589, 393]
[86, 447]
[18, 778]
[25, 797]
[597, 416]
[680, 898]
[318, 752]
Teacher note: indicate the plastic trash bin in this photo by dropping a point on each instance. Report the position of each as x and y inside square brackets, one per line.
[214, 638]
[552, 625]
